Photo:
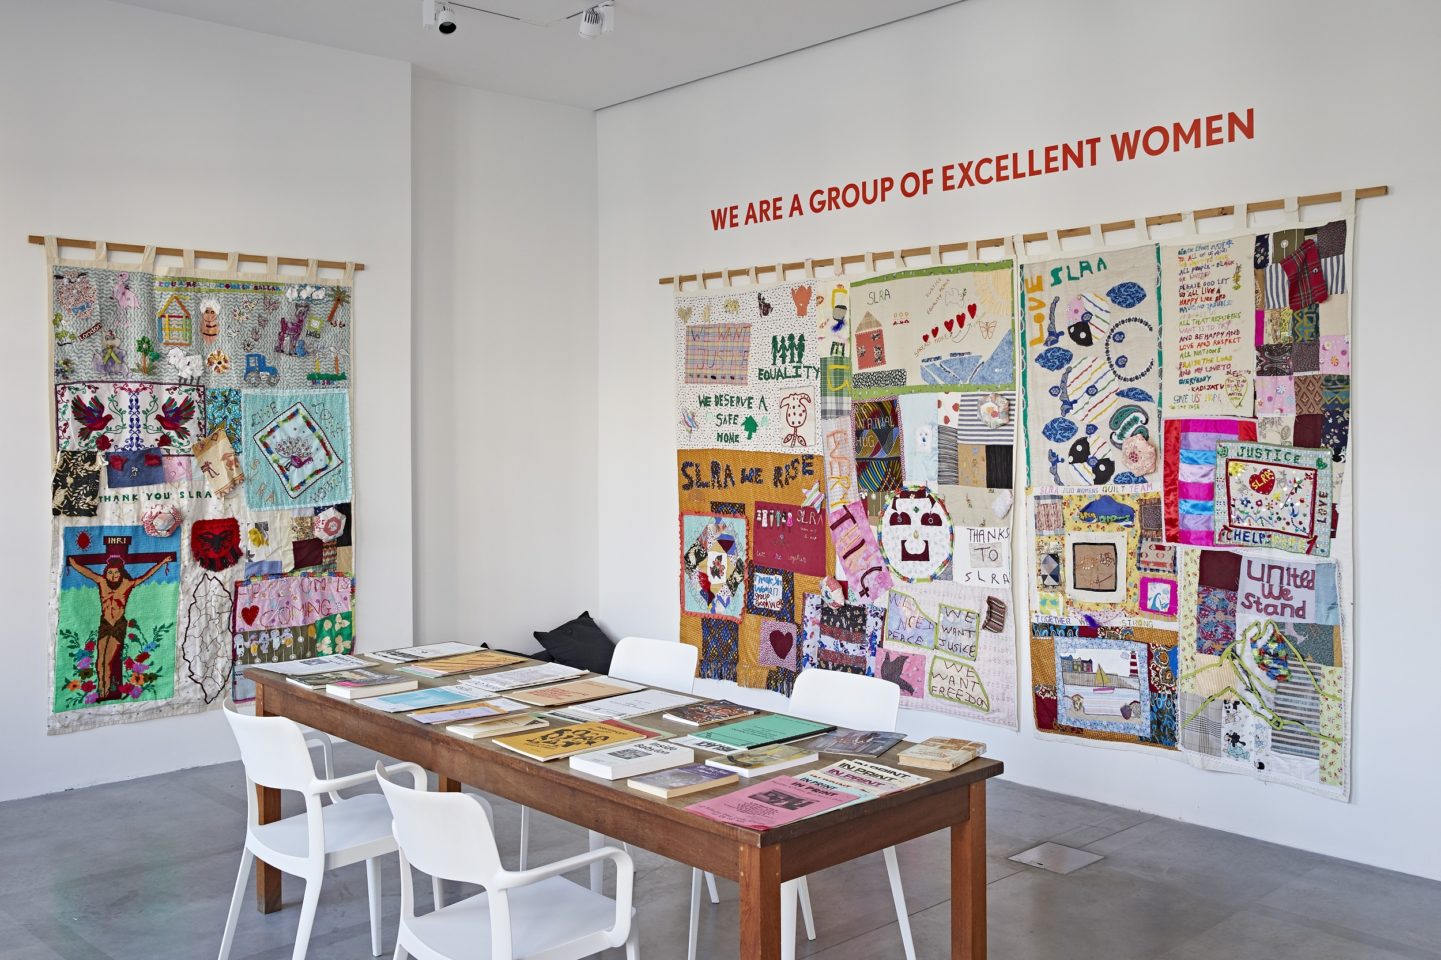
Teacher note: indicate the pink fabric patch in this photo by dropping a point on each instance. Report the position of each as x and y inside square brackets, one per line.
[1336, 354]
[1275, 396]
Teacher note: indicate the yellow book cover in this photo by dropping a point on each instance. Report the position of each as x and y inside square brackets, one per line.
[570, 740]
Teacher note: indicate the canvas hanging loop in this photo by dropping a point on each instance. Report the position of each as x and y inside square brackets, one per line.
[870, 262]
[187, 259]
[1348, 203]
[102, 251]
[780, 272]
[900, 260]
[810, 269]
[232, 262]
[52, 248]
[838, 265]
[935, 254]
[1053, 241]
[973, 255]
[312, 270]
[1188, 223]
[751, 276]
[1098, 236]
[272, 265]
[1008, 251]
[147, 259]
[1243, 216]
[675, 284]
[1293, 213]
[1143, 230]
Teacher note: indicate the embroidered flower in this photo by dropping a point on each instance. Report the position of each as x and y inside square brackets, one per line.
[1138, 454]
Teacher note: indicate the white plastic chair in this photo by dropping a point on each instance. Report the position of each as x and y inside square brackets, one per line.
[537, 914]
[276, 754]
[861, 703]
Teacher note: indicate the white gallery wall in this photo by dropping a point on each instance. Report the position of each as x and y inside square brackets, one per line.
[150, 128]
[505, 371]
[1336, 89]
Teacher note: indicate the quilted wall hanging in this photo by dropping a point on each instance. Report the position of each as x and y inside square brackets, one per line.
[202, 467]
[845, 474]
[1187, 411]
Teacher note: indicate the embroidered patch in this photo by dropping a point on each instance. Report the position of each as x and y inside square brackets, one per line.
[720, 649]
[878, 444]
[134, 468]
[128, 415]
[215, 544]
[789, 537]
[301, 449]
[1049, 517]
[959, 631]
[1269, 496]
[218, 463]
[297, 448]
[916, 535]
[772, 593]
[905, 623]
[1096, 567]
[713, 564]
[778, 644]
[1159, 596]
[719, 353]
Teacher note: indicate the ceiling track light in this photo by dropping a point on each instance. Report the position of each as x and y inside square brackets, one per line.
[438, 15]
[597, 20]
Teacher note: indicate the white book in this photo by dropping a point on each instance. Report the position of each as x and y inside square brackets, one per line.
[632, 704]
[865, 777]
[709, 746]
[312, 665]
[427, 697]
[524, 677]
[632, 759]
[428, 652]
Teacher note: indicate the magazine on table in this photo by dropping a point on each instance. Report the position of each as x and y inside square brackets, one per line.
[773, 803]
[855, 743]
[532, 676]
[483, 710]
[636, 704]
[412, 654]
[314, 665]
[864, 776]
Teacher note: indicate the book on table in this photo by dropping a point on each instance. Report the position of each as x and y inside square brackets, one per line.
[482, 710]
[632, 759]
[319, 681]
[461, 663]
[426, 697]
[681, 781]
[863, 776]
[531, 676]
[855, 743]
[636, 704]
[772, 803]
[566, 741]
[763, 730]
[709, 746]
[705, 714]
[763, 760]
[941, 753]
[330, 663]
[427, 652]
[498, 728]
[574, 691]
[364, 684]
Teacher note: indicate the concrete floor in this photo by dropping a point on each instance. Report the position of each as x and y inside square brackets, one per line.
[144, 869]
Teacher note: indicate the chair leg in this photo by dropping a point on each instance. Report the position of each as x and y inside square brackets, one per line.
[788, 919]
[524, 837]
[710, 887]
[372, 886]
[903, 917]
[400, 953]
[236, 899]
[804, 889]
[307, 917]
[632, 943]
[437, 892]
[597, 841]
[694, 914]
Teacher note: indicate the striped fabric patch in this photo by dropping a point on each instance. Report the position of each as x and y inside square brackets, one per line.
[1190, 474]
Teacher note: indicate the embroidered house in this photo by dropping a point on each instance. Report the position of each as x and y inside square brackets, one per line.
[174, 324]
[870, 343]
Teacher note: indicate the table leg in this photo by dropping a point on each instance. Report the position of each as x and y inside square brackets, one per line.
[267, 878]
[968, 880]
[760, 903]
[446, 785]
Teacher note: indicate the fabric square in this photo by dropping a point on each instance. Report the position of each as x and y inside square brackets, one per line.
[998, 467]
[218, 463]
[215, 544]
[1159, 596]
[1336, 354]
[75, 487]
[1316, 642]
[1154, 556]
[720, 649]
[1306, 323]
[1190, 472]
[779, 644]
[971, 465]
[178, 469]
[789, 537]
[1334, 316]
[1273, 360]
[713, 564]
[1305, 356]
[878, 444]
[1270, 496]
[1334, 270]
[1331, 239]
[308, 553]
[1151, 516]
[1308, 392]
[718, 353]
[1262, 253]
[134, 468]
[1284, 243]
[1096, 567]
[1048, 569]
[1336, 413]
[1215, 620]
[1050, 518]
[1276, 327]
[771, 593]
[840, 636]
[1102, 684]
[298, 453]
[129, 415]
[835, 386]
[947, 456]
[1306, 283]
[1220, 569]
[1309, 430]
[1275, 396]
[223, 409]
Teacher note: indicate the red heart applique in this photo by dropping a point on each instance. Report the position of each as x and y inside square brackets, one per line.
[248, 614]
[935, 331]
[781, 643]
[1264, 481]
[951, 324]
[925, 338]
[971, 309]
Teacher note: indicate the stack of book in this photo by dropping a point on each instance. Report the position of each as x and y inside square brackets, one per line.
[412, 654]
[355, 684]
[632, 759]
[482, 729]
[525, 676]
[941, 753]
[461, 663]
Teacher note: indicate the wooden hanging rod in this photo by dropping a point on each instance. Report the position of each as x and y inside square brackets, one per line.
[1208, 213]
[199, 254]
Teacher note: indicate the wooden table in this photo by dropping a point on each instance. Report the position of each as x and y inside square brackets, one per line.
[758, 860]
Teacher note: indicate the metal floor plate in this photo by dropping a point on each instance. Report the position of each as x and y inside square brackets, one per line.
[1057, 858]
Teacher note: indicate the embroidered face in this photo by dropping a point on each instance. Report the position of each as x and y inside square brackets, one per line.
[916, 534]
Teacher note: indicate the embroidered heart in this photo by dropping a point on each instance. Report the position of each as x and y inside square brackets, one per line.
[925, 338]
[1263, 482]
[248, 614]
[935, 331]
[951, 324]
[781, 643]
[971, 309]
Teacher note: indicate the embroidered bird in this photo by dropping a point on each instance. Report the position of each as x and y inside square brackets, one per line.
[891, 670]
[91, 416]
[174, 416]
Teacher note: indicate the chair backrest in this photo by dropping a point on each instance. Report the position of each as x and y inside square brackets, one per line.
[273, 750]
[655, 663]
[446, 835]
[846, 699]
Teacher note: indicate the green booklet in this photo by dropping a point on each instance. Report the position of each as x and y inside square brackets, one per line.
[762, 730]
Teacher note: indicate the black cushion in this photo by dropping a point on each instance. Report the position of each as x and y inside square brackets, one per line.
[579, 643]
